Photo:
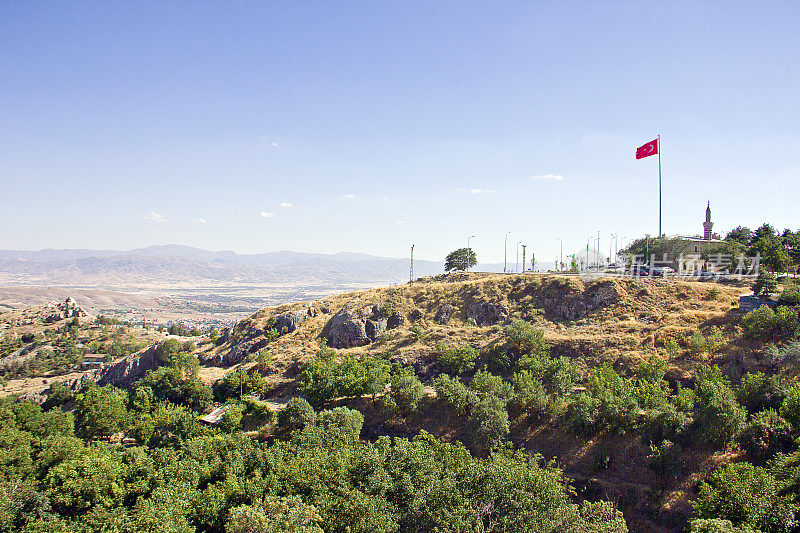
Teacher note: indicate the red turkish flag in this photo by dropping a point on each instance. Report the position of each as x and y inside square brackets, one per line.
[648, 149]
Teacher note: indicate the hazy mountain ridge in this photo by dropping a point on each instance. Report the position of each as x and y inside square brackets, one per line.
[175, 263]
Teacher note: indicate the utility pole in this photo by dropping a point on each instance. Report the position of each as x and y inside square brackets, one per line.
[561, 265]
[523, 257]
[505, 252]
[516, 265]
[469, 250]
[597, 255]
[587, 253]
[411, 275]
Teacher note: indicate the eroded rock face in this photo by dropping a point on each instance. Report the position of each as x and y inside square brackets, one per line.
[358, 326]
[577, 306]
[290, 320]
[130, 368]
[487, 313]
[444, 314]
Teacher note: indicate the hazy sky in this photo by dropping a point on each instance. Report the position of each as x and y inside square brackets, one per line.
[369, 126]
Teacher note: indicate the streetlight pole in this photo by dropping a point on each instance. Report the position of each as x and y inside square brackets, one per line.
[561, 264]
[505, 252]
[516, 266]
[469, 250]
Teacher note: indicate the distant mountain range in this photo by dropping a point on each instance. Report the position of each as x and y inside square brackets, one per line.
[183, 264]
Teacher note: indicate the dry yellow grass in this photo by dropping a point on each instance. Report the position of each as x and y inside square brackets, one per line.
[634, 327]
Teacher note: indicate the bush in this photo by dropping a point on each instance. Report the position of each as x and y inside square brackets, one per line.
[614, 400]
[673, 348]
[342, 422]
[529, 393]
[790, 353]
[717, 525]
[455, 394]
[666, 458]
[170, 384]
[232, 418]
[790, 296]
[557, 375]
[765, 435]
[790, 408]
[764, 323]
[757, 392]
[488, 424]
[668, 424]
[697, 344]
[525, 338]
[758, 323]
[297, 414]
[716, 411]
[323, 379]
[746, 495]
[488, 384]
[406, 392]
[456, 359]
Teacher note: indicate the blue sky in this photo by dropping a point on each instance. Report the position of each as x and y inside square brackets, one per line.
[369, 126]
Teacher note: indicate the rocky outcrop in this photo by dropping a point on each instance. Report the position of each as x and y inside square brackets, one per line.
[66, 309]
[580, 304]
[359, 325]
[289, 321]
[487, 313]
[129, 368]
[444, 314]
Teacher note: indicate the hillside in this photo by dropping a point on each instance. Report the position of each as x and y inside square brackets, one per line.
[607, 378]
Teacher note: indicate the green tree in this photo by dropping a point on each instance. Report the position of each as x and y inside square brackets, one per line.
[297, 414]
[274, 515]
[100, 411]
[716, 411]
[461, 259]
[746, 495]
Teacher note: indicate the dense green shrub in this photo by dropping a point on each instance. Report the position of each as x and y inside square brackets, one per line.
[488, 423]
[716, 411]
[758, 391]
[787, 354]
[666, 458]
[297, 414]
[746, 495]
[530, 394]
[100, 411]
[764, 323]
[487, 384]
[669, 423]
[455, 394]
[405, 393]
[342, 422]
[790, 408]
[455, 360]
[609, 401]
[717, 525]
[790, 297]
[759, 323]
[171, 384]
[766, 434]
[524, 338]
[558, 375]
[324, 378]
[274, 515]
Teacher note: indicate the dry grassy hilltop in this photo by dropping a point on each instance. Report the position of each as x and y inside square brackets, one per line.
[622, 321]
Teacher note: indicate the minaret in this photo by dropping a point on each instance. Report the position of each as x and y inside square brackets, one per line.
[707, 225]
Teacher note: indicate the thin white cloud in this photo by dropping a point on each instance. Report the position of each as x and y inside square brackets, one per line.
[349, 196]
[475, 191]
[285, 205]
[273, 144]
[154, 217]
[553, 177]
[267, 214]
[199, 220]
[399, 221]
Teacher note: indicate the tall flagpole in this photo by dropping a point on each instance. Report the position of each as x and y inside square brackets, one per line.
[659, 185]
